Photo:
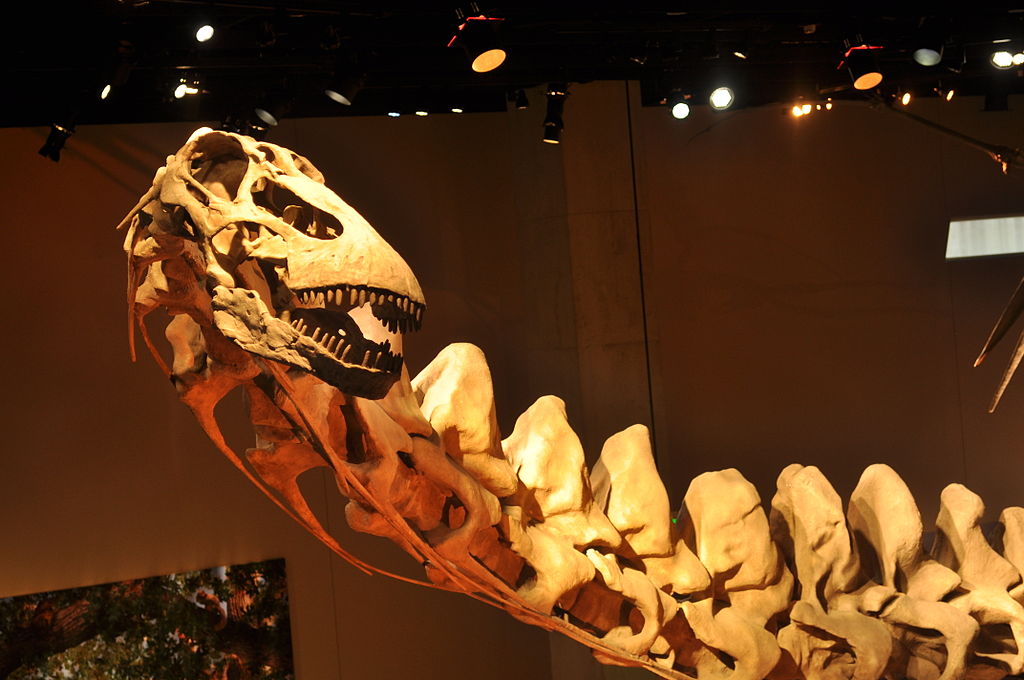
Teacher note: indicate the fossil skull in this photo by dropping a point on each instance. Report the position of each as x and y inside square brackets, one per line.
[295, 274]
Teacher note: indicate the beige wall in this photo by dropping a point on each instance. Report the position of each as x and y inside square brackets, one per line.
[797, 302]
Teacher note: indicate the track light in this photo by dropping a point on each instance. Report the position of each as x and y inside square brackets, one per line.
[478, 35]
[862, 65]
[204, 32]
[553, 123]
[55, 141]
[1002, 59]
[930, 40]
[519, 98]
[344, 88]
[721, 98]
[678, 105]
[116, 72]
[186, 86]
[272, 107]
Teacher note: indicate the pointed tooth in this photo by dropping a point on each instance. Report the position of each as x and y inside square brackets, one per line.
[302, 326]
[366, 357]
[316, 334]
[346, 352]
[331, 343]
[295, 323]
[286, 315]
[391, 298]
[362, 297]
[403, 303]
[320, 299]
[373, 297]
[353, 295]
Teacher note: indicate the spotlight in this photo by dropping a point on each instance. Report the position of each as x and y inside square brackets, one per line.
[344, 88]
[928, 56]
[272, 107]
[186, 86]
[930, 40]
[828, 104]
[905, 98]
[945, 94]
[797, 110]
[394, 114]
[862, 65]
[204, 32]
[678, 105]
[456, 109]
[739, 55]
[115, 73]
[553, 123]
[721, 98]
[522, 102]
[55, 141]
[422, 112]
[950, 94]
[1002, 59]
[1018, 58]
[478, 35]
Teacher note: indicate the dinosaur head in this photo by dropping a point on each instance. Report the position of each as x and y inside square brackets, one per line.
[283, 267]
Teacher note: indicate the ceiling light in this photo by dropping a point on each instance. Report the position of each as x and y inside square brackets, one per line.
[1002, 59]
[343, 88]
[272, 107]
[678, 105]
[828, 104]
[797, 110]
[739, 55]
[204, 32]
[522, 102]
[394, 114]
[928, 56]
[456, 109]
[721, 98]
[186, 86]
[478, 35]
[862, 65]
[422, 112]
[105, 92]
[905, 98]
[553, 123]
[950, 94]
[59, 134]
[1018, 58]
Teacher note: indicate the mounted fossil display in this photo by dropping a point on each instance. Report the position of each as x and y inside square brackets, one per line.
[276, 287]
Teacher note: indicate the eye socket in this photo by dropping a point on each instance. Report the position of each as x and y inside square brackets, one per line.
[298, 213]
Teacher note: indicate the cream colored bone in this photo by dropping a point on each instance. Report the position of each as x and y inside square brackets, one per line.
[985, 574]
[731, 538]
[808, 522]
[263, 269]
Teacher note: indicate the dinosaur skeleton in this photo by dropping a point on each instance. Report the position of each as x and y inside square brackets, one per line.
[276, 287]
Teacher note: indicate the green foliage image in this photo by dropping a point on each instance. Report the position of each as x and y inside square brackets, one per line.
[225, 623]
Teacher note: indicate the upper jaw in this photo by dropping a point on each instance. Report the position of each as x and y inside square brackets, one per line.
[349, 336]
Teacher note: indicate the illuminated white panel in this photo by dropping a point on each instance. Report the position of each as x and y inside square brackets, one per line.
[992, 236]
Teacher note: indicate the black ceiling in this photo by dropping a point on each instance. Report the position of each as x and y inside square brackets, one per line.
[59, 60]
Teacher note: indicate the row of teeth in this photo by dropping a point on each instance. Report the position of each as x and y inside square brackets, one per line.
[380, 358]
[355, 297]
